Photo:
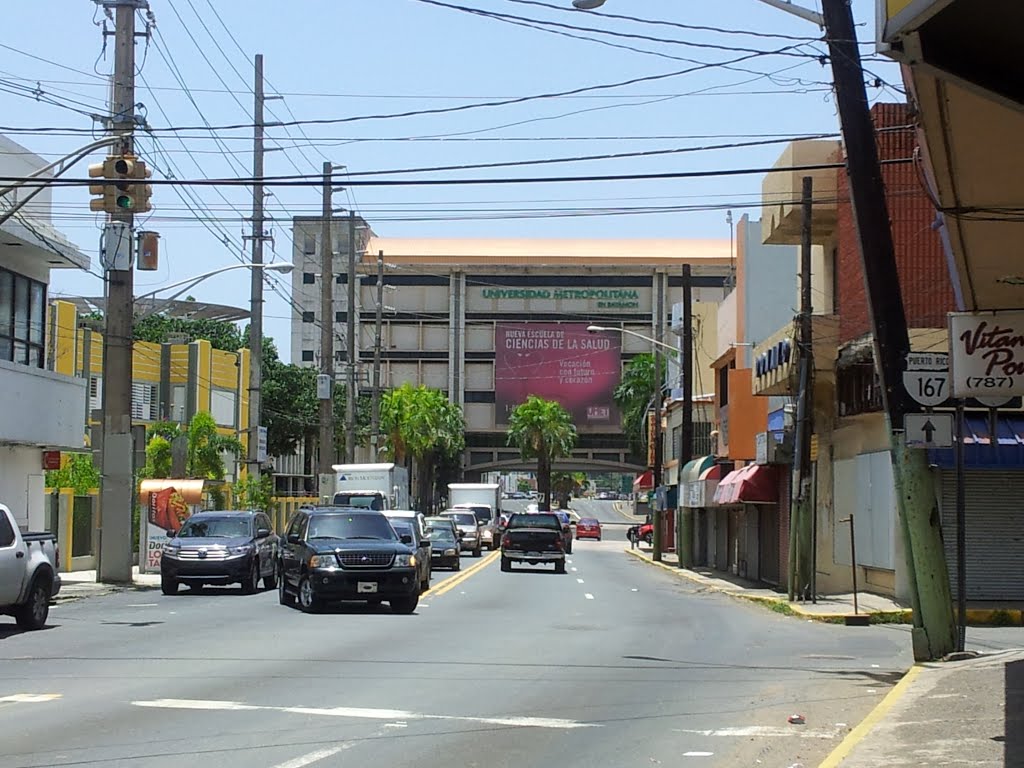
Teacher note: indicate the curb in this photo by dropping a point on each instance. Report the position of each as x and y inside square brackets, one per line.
[862, 730]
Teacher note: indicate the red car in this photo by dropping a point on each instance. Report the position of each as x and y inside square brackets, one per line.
[588, 528]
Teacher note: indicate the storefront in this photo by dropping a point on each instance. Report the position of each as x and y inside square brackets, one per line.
[994, 480]
[744, 497]
[694, 494]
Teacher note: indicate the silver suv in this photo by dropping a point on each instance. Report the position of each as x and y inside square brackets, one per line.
[465, 520]
[487, 522]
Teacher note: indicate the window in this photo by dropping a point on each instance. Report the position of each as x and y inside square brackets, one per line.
[308, 317]
[222, 407]
[308, 278]
[341, 279]
[339, 317]
[22, 319]
[307, 355]
[95, 393]
[723, 385]
[6, 531]
[144, 401]
[309, 245]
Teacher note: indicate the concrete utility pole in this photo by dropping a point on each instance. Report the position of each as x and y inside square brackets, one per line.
[800, 501]
[117, 488]
[353, 347]
[326, 326]
[934, 632]
[684, 544]
[659, 330]
[253, 459]
[375, 408]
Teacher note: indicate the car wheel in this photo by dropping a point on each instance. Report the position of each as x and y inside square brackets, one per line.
[457, 566]
[283, 596]
[168, 585]
[568, 550]
[425, 584]
[477, 552]
[35, 611]
[649, 539]
[404, 605]
[251, 582]
[506, 564]
[307, 599]
[270, 580]
[560, 566]
[598, 538]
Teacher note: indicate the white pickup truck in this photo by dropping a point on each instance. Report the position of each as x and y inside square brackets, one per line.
[29, 576]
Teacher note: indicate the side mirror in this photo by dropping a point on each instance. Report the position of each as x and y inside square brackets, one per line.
[480, 523]
[293, 538]
[262, 533]
[461, 533]
[425, 543]
[405, 538]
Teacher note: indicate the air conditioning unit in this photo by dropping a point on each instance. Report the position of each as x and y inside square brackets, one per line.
[774, 447]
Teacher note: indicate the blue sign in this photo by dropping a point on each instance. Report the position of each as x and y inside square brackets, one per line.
[774, 357]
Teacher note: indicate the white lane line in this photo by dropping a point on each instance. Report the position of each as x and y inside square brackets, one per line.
[29, 698]
[574, 569]
[579, 581]
[589, 596]
[366, 713]
[568, 561]
[312, 757]
[142, 605]
[747, 731]
[698, 754]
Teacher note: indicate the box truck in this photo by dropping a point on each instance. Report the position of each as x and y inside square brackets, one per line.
[374, 486]
[485, 501]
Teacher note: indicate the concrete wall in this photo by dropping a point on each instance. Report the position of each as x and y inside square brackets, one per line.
[45, 409]
[22, 483]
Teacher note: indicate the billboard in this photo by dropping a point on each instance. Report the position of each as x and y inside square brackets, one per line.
[561, 362]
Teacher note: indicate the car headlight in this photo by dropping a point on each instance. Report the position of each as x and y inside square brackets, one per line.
[245, 549]
[405, 561]
[323, 561]
[449, 552]
[169, 550]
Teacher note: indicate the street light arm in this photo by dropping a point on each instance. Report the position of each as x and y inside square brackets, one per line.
[596, 328]
[783, 5]
[199, 278]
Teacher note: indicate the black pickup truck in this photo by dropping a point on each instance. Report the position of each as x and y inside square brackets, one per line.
[533, 538]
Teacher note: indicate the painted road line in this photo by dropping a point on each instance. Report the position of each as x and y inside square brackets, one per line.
[450, 584]
[589, 596]
[29, 698]
[366, 713]
[312, 757]
[698, 754]
[579, 581]
[857, 735]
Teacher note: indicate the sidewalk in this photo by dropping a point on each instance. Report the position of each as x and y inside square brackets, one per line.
[81, 584]
[967, 713]
[833, 608]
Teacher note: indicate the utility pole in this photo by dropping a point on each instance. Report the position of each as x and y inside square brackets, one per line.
[327, 327]
[375, 409]
[253, 458]
[350, 316]
[934, 631]
[117, 489]
[799, 528]
[659, 330]
[684, 545]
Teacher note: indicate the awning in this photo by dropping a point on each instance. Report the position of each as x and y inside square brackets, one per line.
[692, 469]
[646, 480]
[980, 451]
[752, 484]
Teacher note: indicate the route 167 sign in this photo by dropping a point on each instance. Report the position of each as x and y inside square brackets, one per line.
[926, 377]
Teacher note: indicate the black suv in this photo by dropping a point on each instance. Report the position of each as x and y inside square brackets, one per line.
[330, 554]
[221, 548]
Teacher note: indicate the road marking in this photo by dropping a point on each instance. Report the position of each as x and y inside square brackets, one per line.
[312, 757]
[748, 731]
[589, 596]
[367, 714]
[579, 581]
[454, 581]
[698, 754]
[142, 605]
[574, 570]
[30, 698]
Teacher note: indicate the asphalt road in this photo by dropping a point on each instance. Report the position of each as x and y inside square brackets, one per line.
[615, 663]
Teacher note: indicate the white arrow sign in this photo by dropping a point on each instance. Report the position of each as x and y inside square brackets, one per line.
[929, 430]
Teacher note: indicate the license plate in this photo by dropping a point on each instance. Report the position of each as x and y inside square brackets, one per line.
[366, 587]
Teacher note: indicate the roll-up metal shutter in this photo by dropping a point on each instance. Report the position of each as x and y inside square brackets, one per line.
[995, 533]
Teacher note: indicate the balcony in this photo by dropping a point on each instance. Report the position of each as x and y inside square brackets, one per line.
[50, 411]
[781, 193]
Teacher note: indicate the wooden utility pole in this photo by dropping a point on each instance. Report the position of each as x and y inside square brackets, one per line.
[353, 346]
[659, 330]
[253, 458]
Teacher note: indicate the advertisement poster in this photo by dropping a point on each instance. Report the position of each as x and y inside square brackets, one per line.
[166, 505]
[561, 362]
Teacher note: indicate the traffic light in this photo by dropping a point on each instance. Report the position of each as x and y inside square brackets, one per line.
[121, 193]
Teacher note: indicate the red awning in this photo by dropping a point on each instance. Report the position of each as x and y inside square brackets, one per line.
[646, 480]
[752, 484]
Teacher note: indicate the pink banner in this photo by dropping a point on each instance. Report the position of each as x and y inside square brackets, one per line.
[561, 362]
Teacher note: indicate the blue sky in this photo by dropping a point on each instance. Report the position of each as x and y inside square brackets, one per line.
[366, 58]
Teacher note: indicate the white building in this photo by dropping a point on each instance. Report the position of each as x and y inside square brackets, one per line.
[44, 410]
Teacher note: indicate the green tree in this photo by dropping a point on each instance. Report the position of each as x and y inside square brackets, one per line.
[220, 333]
[206, 449]
[252, 492]
[542, 430]
[158, 457]
[633, 396]
[421, 424]
[567, 484]
[78, 473]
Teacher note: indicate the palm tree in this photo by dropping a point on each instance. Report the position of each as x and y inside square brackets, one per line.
[542, 430]
[421, 424]
[633, 396]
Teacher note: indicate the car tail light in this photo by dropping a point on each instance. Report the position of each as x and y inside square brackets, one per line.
[506, 540]
[559, 543]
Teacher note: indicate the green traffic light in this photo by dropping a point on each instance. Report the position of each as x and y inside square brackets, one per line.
[125, 202]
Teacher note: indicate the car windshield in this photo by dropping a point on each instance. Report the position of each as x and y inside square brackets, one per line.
[402, 527]
[535, 521]
[463, 518]
[359, 500]
[343, 526]
[483, 514]
[588, 521]
[442, 534]
[215, 528]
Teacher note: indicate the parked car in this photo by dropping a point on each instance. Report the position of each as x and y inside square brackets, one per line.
[588, 528]
[415, 524]
[29, 572]
[470, 541]
[445, 545]
[487, 522]
[332, 554]
[533, 539]
[221, 547]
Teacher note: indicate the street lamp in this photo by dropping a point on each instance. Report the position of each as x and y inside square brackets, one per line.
[599, 328]
[783, 5]
[284, 268]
